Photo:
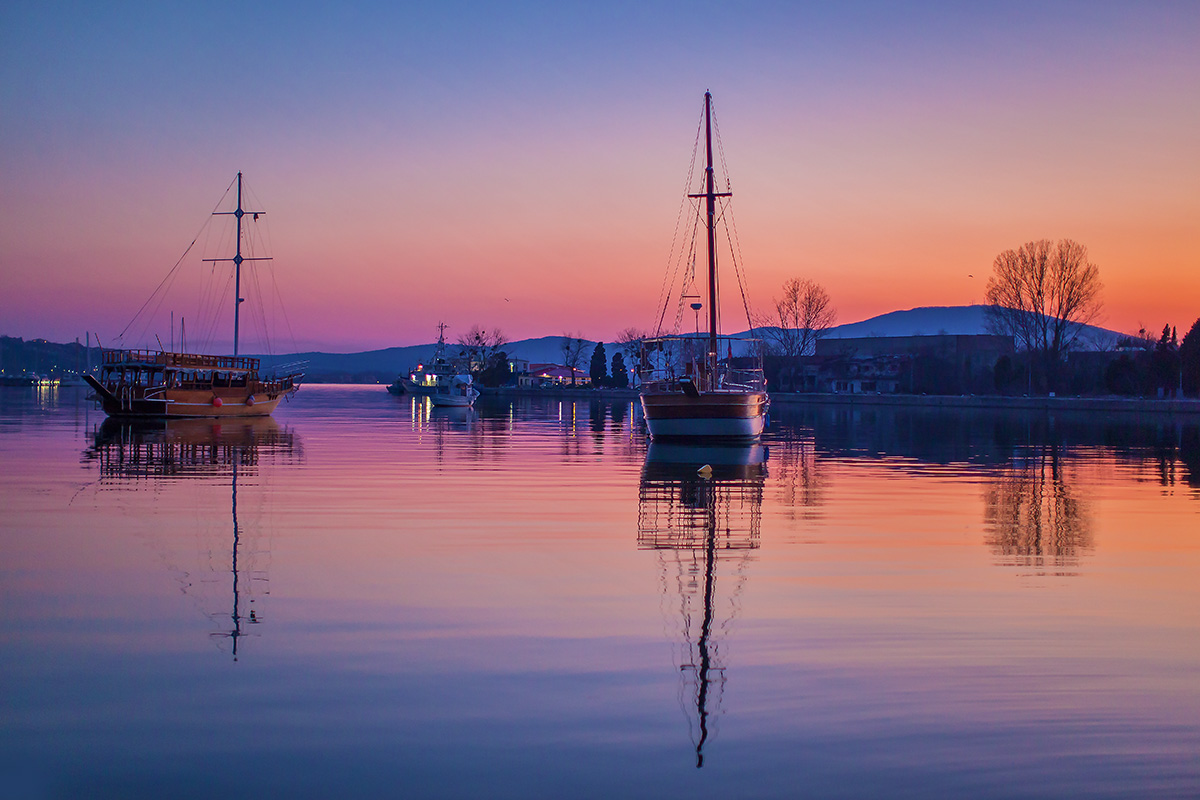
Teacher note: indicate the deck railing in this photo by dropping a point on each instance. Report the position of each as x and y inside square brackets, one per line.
[735, 366]
[159, 358]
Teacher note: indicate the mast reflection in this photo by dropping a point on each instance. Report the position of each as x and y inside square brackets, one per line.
[699, 506]
[135, 454]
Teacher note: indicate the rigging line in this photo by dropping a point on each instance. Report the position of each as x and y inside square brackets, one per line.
[676, 260]
[267, 239]
[687, 279]
[221, 239]
[164, 280]
[283, 309]
[262, 311]
[206, 300]
[721, 149]
[208, 333]
[262, 230]
[199, 233]
[665, 293]
[739, 265]
[731, 228]
[149, 318]
[668, 288]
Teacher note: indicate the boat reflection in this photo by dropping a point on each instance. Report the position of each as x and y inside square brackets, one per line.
[134, 454]
[700, 507]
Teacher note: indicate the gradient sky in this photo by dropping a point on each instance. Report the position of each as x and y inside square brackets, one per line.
[424, 162]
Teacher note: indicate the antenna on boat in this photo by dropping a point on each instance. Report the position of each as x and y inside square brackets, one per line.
[238, 259]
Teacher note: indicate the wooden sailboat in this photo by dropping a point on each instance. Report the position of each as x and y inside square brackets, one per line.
[160, 383]
[694, 387]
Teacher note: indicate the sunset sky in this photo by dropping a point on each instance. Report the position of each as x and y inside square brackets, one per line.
[520, 165]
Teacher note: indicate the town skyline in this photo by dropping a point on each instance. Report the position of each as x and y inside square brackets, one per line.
[522, 167]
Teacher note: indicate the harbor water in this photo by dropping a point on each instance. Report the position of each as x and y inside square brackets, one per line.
[366, 596]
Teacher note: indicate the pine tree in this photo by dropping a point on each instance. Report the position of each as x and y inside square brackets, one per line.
[1189, 356]
[620, 375]
[599, 366]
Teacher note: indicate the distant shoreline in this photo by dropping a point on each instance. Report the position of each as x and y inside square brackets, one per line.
[1106, 405]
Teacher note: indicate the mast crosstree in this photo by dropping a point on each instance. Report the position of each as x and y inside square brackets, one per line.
[238, 259]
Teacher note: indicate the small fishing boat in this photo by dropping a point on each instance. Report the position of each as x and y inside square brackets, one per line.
[703, 386]
[458, 392]
[425, 379]
[160, 383]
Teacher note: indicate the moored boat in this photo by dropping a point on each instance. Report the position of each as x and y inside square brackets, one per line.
[427, 379]
[162, 383]
[458, 392]
[694, 387]
[149, 383]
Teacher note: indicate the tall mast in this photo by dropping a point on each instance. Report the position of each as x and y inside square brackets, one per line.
[711, 202]
[710, 196]
[237, 267]
[237, 260]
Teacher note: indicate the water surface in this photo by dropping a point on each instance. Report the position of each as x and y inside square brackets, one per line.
[365, 596]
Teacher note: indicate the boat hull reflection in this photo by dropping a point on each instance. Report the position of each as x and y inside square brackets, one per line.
[146, 453]
[700, 506]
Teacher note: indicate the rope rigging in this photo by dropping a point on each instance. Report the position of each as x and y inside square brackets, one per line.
[684, 259]
[213, 295]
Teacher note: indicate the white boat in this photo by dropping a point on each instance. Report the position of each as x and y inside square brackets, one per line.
[703, 386]
[425, 378]
[458, 392]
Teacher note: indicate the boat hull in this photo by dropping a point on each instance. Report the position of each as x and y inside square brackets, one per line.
[219, 402]
[733, 416]
[451, 401]
[403, 386]
[192, 405]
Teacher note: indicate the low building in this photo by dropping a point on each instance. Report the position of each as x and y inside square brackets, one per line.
[938, 364]
[861, 374]
[551, 375]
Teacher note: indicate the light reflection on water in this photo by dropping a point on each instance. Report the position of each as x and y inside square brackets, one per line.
[524, 599]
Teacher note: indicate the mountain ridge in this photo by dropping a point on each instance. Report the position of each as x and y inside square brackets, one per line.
[920, 321]
[382, 365]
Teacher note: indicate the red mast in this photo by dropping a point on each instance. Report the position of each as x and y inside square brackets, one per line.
[710, 196]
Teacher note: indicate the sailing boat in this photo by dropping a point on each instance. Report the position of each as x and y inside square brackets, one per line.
[159, 383]
[694, 387]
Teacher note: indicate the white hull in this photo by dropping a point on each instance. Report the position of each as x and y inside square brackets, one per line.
[451, 401]
[745, 428]
[736, 416]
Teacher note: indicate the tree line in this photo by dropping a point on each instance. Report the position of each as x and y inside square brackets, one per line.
[1044, 294]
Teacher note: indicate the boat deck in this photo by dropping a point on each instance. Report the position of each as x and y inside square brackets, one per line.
[116, 359]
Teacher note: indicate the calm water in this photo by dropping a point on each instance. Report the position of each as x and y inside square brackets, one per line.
[364, 597]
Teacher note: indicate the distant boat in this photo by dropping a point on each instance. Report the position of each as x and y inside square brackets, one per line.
[427, 379]
[159, 383]
[24, 379]
[693, 387]
[458, 392]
